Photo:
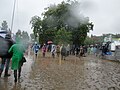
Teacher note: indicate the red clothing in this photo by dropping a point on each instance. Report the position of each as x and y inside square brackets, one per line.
[44, 49]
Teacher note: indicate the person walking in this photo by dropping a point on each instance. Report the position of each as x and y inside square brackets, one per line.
[95, 50]
[53, 51]
[6, 59]
[63, 52]
[44, 50]
[17, 57]
[58, 50]
[88, 50]
[36, 48]
[91, 50]
[68, 50]
[81, 51]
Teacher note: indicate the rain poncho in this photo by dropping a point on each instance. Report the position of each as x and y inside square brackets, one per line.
[17, 50]
[36, 48]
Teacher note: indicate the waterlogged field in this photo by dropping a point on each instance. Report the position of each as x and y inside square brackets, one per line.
[88, 73]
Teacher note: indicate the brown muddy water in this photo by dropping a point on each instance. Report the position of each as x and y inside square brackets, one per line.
[87, 73]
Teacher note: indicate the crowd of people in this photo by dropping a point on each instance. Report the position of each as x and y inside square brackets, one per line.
[15, 52]
[66, 50]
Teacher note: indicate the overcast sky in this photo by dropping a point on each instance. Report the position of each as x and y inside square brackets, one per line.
[104, 14]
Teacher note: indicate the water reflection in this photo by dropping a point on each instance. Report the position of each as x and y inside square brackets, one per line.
[17, 86]
[4, 82]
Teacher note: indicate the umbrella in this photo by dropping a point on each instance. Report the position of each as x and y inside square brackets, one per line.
[49, 42]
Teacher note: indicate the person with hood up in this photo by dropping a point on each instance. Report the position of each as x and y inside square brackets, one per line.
[7, 57]
[36, 48]
[17, 57]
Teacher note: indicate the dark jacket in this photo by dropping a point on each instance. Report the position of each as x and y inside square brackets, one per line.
[63, 51]
[5, 44]
[10, 43]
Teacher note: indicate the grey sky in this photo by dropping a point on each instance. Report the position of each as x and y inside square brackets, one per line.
[103, 13]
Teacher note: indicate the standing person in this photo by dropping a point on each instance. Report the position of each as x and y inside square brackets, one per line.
[73, 49]
[97, 50]
[58, 50]
[44, 50]
[91, 50]
[77, 50]
[36, 48]
[6, 59]
[88, 50]
[84, 51]
[68, 49]
[94, 50]
[103, 50]
[63, 52]
[81, 51]
[18, 53]
[53, 51]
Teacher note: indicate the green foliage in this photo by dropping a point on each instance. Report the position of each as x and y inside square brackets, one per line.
[4, 25]
[88, 41]
[18, 36]
[59, 20]
[36, 25]
[25, 36]
[63, 36]
[93, 40]
[18, 33]
[22, 36]
[32, 36]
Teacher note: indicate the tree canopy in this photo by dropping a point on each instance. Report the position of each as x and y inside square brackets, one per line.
[59, 21]
[22, 36]
[4, 25]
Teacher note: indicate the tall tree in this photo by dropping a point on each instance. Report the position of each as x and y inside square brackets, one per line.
[61, 16]
[63, 36]
[22, 36]
[25, 36]
[18, 35]
[36, 26]
[32, 36]
[4, 25]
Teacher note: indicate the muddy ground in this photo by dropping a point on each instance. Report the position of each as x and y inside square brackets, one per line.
[85, 73]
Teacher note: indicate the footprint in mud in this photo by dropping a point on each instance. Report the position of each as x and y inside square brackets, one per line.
[20, 80]
[111, 88]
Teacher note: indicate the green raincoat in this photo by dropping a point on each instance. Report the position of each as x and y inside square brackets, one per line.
[17, 50]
